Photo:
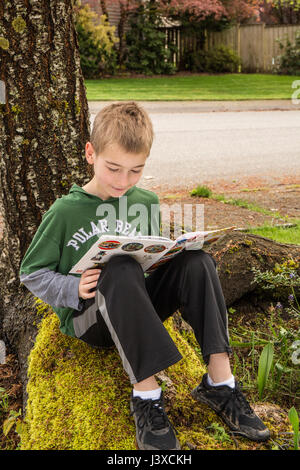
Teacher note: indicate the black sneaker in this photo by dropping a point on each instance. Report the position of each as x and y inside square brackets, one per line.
[231, 405]
[153, 428]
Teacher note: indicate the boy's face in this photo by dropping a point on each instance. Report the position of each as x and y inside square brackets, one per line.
[115, 170]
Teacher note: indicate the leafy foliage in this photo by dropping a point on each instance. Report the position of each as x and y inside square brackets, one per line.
[146, 51]
[264, 367]
[200, 10]
[294, 420]
[218, 60]
[96, 43]
[288, 63]
[280, 12]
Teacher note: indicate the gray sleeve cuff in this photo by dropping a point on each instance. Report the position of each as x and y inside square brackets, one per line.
[57, 290]
[72, 294]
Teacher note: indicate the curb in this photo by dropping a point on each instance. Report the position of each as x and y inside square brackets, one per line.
[205, 106]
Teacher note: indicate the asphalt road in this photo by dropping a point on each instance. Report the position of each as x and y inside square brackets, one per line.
[198, 142]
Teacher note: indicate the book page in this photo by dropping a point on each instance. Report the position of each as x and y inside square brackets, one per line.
[146, 250]
[196, 240]
[150, 251]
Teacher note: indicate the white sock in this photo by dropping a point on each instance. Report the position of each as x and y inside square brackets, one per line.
[230, 382]
[148, 394]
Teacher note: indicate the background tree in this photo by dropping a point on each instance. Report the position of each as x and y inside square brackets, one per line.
[125, 7]
[194, 15]
[198, 16]
[97, 42]
[146, 51]
[280, 12]
[199, 11]
[44, 125]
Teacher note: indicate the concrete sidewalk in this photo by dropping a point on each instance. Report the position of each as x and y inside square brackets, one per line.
[206, 106]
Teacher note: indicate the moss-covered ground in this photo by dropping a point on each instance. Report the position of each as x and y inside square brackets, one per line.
[78, 398]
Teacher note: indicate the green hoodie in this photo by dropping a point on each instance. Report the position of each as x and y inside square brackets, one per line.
[68, 229]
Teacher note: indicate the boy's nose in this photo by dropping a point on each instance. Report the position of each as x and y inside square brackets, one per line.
[122, 182]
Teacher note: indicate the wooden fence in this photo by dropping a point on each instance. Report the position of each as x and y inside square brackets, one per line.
[256, 44]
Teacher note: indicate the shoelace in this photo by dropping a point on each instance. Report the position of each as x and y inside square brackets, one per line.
[238, 390]
[153, 411]
[237, 394]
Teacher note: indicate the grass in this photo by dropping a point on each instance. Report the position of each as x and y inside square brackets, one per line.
[236, 86]
[280, 234]
[247, 205]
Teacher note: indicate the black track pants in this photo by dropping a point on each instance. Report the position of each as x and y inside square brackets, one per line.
[128, 311]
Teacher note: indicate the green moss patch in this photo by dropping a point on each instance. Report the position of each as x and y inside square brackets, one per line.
[78, 398]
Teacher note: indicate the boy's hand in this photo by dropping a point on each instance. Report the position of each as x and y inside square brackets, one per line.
[88, 281]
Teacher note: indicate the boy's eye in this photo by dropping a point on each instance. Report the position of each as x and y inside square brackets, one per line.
[112, 169]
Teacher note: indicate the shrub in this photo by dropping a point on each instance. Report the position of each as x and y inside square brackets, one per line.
[98, 55]
[201, 191]
[194, 61]
[288, 63]
[223, 59]
[220, 59]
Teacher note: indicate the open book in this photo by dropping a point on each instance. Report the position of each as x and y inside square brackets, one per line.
[149, 251]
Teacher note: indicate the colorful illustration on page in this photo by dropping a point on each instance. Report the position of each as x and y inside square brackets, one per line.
[155, 248]
[132, 246]
[109, 245]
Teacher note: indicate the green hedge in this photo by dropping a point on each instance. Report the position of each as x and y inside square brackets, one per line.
[288, 63]
[218, 60]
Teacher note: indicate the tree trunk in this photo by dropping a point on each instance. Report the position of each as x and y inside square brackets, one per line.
[44, 125]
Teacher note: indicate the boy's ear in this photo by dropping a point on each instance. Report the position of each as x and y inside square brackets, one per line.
[89, 152]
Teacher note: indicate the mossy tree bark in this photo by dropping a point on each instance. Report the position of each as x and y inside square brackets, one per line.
[44, 124]
[238, 252]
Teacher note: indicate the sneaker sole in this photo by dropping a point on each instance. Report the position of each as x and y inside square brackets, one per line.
[141, 446]
[265, 435]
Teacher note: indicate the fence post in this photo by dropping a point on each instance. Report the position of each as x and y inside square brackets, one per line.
[238, 43]
[238, 39]
[178, 47]
[205, 42]
[264, 46]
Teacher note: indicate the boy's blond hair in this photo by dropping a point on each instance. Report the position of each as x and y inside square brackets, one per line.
[126, 124]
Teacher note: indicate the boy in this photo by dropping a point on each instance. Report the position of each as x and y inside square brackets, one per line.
[121, 306]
